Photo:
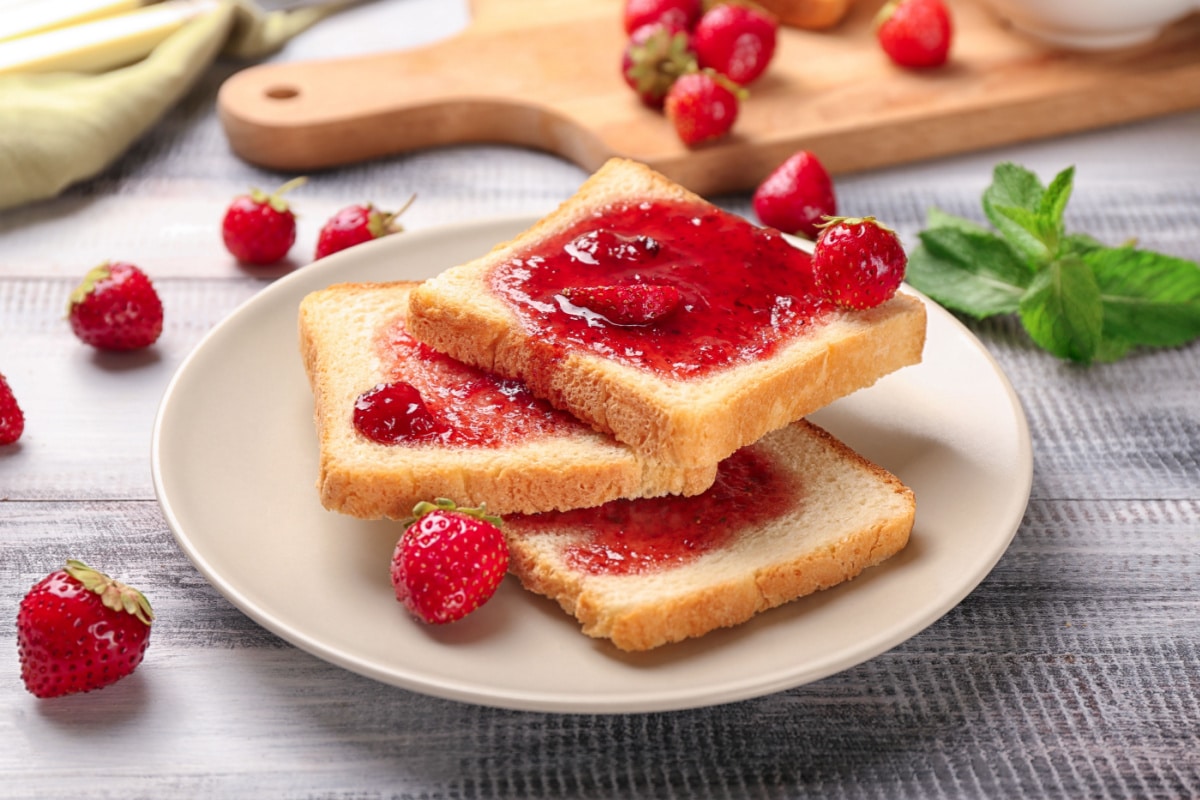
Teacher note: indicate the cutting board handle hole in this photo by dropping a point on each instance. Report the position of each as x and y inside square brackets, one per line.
[282, 92]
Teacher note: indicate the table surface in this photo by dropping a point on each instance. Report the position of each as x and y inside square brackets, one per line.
[1073, 670]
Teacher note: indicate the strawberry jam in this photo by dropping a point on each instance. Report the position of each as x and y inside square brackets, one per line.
[470, 408]
[744, 289]
[630, 537]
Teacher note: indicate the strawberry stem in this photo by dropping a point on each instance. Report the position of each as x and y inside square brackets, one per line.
[113, 594]
[444, 504]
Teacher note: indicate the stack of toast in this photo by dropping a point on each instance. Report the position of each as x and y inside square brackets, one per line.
[657, 479]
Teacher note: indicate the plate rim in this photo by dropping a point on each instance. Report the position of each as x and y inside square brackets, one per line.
[754, 685]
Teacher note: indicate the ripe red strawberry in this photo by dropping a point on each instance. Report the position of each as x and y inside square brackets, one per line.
[858, 263]
[79, 630]
[681, 13]
[796, 196]
[915, 33]
[736, 40]
[392, 413]
[116, 308]
[260, 228]
[355, 225]
[12, 421]
[654, 58]
[703, 106]
[635, 304]
[449, 561]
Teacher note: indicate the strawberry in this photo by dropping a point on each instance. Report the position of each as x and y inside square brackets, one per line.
[635, 304]
[449, 561]
[703, 106]
[79, 630]
[394, 412]
[116, 308]
[915, 33]
[681, 13]
[736, 40]
[796, 196]
[858, 263]
[355, 225]
[655, 56]
[260, 228]
[12, 421]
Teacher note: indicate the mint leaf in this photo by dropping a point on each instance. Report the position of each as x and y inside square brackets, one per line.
[1012, 186]
[970, 270]
[1028, 215]
[1148, 298]
[1052, 206]
[936, 218]
[1076, 244]
[1062, 310]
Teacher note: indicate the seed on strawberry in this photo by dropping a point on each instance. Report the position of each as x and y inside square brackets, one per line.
[796, 196]
[858, 263]
[79, 630]
[449, 561]
[260, 228]
[12, 421]
[116, 308]
[634, 304]
[681, 13]
[357, 224]
[736, 40]
[703, 106]
[391, 413]
[654, 58]
[915, 33]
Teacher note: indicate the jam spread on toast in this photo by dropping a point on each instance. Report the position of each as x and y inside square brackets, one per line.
[632, 537]
[743, 289]
[472, 408]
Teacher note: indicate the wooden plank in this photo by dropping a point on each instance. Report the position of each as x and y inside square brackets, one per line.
[546, 76]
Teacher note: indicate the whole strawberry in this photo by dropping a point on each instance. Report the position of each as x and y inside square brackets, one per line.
[260, 228]
[680, 13]
[915, 33]
[357, 224]
[654, 58]
[449, 561]
[703, 106]
[12, 421]
[116, 308]
[797, 196]
[858, 263]
[736, 40]
[79, 630]
[635, 304]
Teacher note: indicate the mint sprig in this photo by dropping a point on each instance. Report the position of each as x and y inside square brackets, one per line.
[1077, 297]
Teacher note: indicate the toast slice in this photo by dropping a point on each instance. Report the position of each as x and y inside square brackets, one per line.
[524, 456]
[724, 367]
[794, 513]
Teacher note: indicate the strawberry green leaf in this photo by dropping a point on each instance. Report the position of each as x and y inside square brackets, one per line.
[1148, 298]
[971, 271]
[1062, 310]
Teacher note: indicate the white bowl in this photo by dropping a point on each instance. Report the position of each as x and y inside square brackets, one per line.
[1093, 24]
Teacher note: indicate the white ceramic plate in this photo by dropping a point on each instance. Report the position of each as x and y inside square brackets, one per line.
[235, 461]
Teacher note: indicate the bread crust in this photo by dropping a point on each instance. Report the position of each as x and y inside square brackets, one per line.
[687, 422]
[364, 479]
[855, 515]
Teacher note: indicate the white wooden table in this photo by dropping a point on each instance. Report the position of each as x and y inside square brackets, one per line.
[1072, 671]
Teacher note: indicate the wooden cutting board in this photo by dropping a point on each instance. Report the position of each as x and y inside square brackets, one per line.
[545, 74]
